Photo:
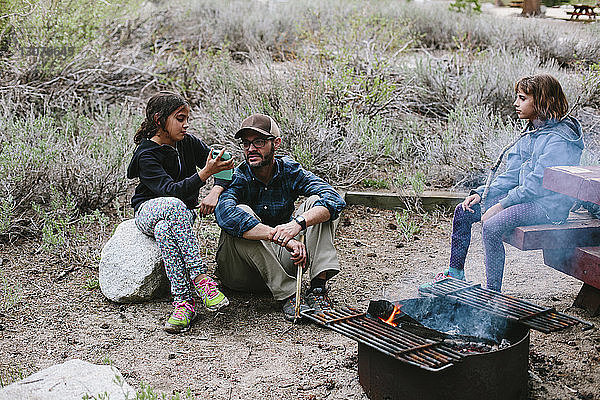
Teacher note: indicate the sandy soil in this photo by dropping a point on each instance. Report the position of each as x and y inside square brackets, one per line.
[249, 351]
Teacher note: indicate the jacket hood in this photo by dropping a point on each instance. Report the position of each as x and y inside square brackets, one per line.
[133, 170]
[568, 129]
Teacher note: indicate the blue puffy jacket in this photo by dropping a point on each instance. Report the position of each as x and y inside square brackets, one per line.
[551, 144]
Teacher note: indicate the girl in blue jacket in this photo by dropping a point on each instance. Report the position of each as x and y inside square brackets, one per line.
[517, 197]
[172, 166]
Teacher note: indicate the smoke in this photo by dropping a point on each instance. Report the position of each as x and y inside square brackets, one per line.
[450, 317]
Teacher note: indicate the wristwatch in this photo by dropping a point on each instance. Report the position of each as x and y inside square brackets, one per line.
[301, 221]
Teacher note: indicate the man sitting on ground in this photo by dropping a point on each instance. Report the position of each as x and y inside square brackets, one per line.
[259, 247]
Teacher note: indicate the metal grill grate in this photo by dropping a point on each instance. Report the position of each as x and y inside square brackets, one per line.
[429, 354]
[531, 315]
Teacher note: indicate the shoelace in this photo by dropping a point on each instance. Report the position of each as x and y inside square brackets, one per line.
[183, 310]
[209, 288]
[322, 299]
[440, 276]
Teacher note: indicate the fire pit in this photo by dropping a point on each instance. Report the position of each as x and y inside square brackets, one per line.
[465, 342]
[493, 364]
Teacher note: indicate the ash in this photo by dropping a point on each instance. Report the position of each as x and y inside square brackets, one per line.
[475, 347]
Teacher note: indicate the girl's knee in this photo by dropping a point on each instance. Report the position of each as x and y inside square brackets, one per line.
[161, 230]
[462, 216]
[173, 204]
[490, 230]
[459, 212]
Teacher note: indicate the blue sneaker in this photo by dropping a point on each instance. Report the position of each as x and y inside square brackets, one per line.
[450, 272]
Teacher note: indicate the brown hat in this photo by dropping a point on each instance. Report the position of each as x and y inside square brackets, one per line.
[260, 123]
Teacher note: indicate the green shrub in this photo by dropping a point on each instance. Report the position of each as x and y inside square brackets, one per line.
[45, 35]
[465, 6]
[55, 170]
[408, 228]
[10, 293]
[350, 86]
[375, 183]
[10, 374]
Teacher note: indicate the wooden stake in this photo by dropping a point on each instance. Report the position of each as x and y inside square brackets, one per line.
[298, 284]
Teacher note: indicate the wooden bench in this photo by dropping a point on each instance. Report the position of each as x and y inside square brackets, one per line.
[580, 230]
[572, 247]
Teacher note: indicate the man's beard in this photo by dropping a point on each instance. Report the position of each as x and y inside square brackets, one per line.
[266, 160]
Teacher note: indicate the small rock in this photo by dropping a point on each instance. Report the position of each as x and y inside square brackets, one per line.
[171, 356]
[571, 343]
[399, 245]
[392, 227]
[358, 243]
[371, 255]
[2, 327]
[105, 326]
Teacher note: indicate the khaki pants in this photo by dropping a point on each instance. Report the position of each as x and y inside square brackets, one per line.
[260, 265]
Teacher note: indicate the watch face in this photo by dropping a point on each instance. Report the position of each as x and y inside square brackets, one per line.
[301, 221]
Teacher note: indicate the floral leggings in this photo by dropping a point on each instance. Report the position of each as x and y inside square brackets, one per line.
[170, 222]
[492, 231]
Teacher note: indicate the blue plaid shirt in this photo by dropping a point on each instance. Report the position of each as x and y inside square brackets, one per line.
[273, 202]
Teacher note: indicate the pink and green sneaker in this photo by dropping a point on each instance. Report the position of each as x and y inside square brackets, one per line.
[182, 318]
[211, 296]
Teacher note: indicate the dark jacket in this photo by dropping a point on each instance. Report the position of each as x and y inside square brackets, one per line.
[552, 144]
[165, 171]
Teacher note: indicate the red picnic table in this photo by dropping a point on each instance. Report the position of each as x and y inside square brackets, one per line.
[572, 247]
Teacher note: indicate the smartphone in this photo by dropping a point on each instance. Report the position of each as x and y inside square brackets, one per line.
[228, 173]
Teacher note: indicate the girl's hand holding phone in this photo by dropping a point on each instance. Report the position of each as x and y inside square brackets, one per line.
[216, 163]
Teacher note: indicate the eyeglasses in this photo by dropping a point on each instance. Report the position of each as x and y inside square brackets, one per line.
[258, 143]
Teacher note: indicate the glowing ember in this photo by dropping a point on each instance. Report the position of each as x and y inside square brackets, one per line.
[390, 320]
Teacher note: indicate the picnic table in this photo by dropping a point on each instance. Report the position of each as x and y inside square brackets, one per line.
[582, 10]
[572, 247]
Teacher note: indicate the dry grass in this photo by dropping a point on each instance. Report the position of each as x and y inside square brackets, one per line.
[409, 89]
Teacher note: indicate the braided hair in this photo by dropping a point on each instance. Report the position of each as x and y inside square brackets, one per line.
[162, 104]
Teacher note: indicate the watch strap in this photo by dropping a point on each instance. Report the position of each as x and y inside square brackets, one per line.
[301, 221]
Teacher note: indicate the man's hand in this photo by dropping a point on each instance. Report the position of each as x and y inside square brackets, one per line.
[208, 204]
[470, 201]
[493, 210]
[297, 251]
[282, 234]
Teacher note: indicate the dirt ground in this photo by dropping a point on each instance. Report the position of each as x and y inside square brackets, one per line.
[249, 351]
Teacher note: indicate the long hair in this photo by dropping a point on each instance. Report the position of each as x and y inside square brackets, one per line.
[161, 104]
[549, 100]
